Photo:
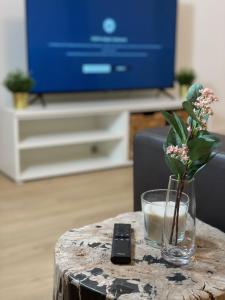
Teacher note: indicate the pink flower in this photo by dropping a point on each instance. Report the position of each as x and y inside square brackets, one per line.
[208, 94]
[202, 106]
[180, 153]
[206, 91]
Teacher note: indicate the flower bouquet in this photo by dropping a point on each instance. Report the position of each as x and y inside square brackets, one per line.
[188, 148]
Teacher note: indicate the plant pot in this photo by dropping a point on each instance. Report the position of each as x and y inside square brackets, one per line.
[21, 100]
[183, 89]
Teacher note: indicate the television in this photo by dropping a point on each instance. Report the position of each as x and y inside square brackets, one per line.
[98, 45]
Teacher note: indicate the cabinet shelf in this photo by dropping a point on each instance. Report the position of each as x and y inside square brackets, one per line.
[66, 168]
[67, 159]
[51, 140]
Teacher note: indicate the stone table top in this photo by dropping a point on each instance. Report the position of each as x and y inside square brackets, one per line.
[83, 270]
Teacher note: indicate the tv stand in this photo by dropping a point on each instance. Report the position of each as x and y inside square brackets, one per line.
[165, 93]
[71, 137]
[39, 97]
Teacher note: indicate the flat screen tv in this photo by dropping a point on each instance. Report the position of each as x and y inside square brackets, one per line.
[97, 45]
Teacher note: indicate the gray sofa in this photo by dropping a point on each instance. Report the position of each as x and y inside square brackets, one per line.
[151, 172]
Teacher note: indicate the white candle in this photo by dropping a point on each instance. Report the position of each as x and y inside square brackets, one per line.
[154, 219]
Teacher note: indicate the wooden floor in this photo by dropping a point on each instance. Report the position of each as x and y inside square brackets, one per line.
[33, 215]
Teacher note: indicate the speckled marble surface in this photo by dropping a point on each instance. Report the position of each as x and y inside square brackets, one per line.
[83, 270]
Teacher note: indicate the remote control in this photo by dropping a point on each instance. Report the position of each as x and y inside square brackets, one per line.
[121, 244]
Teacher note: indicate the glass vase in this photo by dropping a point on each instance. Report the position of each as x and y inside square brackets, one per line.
[178, 241]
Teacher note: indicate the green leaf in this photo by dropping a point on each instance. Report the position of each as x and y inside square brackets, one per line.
[201, 147]
[209, 137]
[172, 138]
[194, 169]
[188, 107]
[182, 126]
[185, 77]
[167, 116]
[176, 166]
[177, 125]
[193, 92]
[203, 132]
[19, 81]
[197, 167]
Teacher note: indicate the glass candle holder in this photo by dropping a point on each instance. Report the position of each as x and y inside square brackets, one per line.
[154, 203]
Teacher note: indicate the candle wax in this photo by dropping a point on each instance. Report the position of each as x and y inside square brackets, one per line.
[154, 219]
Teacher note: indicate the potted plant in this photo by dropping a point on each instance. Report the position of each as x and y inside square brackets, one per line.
[185, 78]
[20, 84]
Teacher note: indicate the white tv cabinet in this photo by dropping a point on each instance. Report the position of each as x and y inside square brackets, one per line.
[68, 138]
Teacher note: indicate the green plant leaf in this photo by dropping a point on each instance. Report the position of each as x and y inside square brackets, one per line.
[182, 127]
[19, 81]
[193, 92]
[194, 169]
[172, 138]
[177, 125]
[188, 107]
[197, 167]
[201, 147]
[175, 166]
[209, 137]
[185, 77]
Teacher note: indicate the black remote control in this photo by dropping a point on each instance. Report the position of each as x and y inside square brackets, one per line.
[121, 244]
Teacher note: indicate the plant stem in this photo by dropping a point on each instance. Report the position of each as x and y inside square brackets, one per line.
[175, 213]
[176, 210]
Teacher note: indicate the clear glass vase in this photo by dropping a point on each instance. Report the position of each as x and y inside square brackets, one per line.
[178, 242]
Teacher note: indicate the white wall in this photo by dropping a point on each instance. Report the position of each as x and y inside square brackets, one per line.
[12, 40]
[200, 44]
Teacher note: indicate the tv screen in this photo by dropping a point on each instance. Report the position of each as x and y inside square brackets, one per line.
[96, 45]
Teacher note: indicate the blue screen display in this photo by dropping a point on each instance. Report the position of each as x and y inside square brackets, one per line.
[91, 45]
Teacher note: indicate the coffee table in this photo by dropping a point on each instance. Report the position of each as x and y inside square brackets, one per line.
[83, 270]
